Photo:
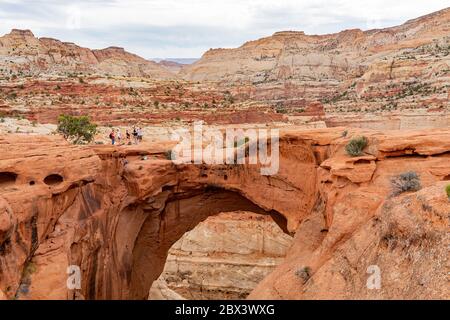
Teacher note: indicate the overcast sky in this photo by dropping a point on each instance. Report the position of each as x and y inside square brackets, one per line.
[187, 28]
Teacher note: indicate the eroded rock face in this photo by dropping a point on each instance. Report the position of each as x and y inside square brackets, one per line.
[403, 241]
[294, 55]
[353, 71]
[23, 53]
[223, 258]
[83, 206]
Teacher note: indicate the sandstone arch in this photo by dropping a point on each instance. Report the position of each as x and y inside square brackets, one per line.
[181, 213]
[165, 209]
[106, 216]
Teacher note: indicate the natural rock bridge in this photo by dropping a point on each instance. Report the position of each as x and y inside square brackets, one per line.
[64, 205]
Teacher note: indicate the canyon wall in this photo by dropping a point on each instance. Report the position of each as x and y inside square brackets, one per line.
[398, 68]
[86, 206]
[330, 58]
[391, 78]
[224, 258]
[21, 53]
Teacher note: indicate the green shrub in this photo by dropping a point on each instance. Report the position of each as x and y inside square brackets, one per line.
[168, 155]
[29, 269]
[356, 146]
[281, 110]
[304, 274]
[11, 96]
[241, 142]
[78, 129]
[407, 181]
[447, 190]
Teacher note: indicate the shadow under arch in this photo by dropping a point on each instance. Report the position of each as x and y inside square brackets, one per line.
[179, 213]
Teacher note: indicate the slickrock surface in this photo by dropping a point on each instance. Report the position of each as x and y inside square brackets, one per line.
[406, 238]
[68, 205]
[224, 257]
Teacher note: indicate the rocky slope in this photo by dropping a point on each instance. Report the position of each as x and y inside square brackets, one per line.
[224, 257]
[69, 205]
[21, 53]
[333, 57]
[172, 66]
[403, 67]
[393, 78]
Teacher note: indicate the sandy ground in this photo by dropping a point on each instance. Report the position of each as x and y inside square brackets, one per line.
[151, 133]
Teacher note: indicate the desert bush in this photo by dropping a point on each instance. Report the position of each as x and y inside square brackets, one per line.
[281, 110]
[447, 190]
[169, 156]
[29, 269]
[241, 142]
[77, 129]
[356, 146]
[407, 181]
[304, 273]
[11, 96]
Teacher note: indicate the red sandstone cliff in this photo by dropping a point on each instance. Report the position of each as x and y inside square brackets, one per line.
[66, 205]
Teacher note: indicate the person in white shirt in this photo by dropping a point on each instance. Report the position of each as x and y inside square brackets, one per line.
[140, 134]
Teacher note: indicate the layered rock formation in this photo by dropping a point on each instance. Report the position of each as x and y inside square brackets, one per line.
[21, 53]
[118, 101]
[223, 258]
[85, 206]
[173, 66]
[294, 55]
[403, 67]
[392, 78]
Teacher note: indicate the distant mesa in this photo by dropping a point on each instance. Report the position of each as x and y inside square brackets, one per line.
[288, 33]
[20, 32]
[51, 56]
[175, 60]
[114, 48]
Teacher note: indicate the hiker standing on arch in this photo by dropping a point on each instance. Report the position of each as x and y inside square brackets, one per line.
[135, 135]
[140, 134]
[119, 136]
[112, 136]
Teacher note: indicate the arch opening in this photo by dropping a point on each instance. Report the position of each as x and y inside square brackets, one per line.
[223, 258]
[181, 213]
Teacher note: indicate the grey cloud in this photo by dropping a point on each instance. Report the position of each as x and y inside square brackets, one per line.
[150, 40]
